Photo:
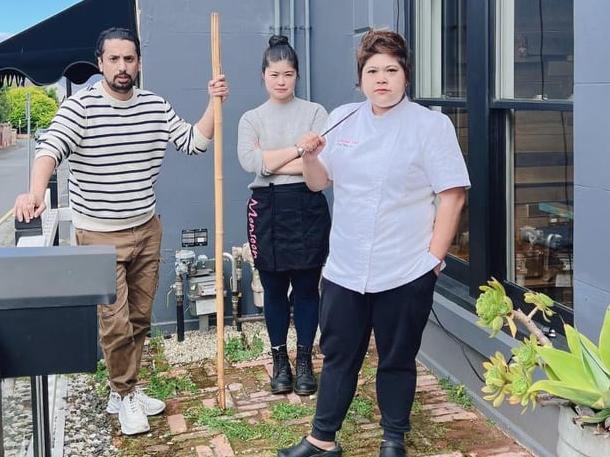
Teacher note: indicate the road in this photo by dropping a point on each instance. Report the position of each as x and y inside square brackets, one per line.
[13, 181]
[13, 174]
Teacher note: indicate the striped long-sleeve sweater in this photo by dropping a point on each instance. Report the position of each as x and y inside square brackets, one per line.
[115, 149]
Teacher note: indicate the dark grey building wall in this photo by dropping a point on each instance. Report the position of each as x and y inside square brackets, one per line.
[176, 64]
[591, 159]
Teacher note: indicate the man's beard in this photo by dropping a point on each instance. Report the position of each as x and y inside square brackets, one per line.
[121, 87]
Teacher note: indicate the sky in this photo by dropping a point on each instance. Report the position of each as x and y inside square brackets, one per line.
[16, 16]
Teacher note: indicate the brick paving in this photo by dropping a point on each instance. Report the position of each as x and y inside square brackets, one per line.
[251, 402]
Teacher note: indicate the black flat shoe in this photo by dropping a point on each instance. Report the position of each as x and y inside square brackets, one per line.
[392, 449]
[306, 449]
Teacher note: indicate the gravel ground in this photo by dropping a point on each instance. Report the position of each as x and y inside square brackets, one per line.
[16, 417]
[88, 431]
[202, 345]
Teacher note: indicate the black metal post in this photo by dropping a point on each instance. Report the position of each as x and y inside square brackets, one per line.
[40, 416]
[478, 102]
[54, 201]
[1, 422]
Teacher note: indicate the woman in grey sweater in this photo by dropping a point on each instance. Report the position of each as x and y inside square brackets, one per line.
[288, 225]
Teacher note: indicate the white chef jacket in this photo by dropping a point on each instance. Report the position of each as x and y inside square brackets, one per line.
[386, 171]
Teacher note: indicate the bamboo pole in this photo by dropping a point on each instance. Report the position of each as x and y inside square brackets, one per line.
[218, 214]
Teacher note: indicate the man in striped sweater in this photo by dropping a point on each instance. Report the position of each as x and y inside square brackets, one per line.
[114, 137]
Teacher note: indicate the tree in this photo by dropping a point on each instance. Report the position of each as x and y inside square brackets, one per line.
[4, 106]
[43, 107]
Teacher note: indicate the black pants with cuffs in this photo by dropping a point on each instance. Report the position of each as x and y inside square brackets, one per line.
[397, 317]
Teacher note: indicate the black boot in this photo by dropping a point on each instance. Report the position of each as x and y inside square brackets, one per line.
[281, 382]
[305, 383]
[392, 449]
[306, 449]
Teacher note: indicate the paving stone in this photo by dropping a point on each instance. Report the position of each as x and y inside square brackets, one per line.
[235, 387]
[222, 447]
[427, 380]
[204, 432]
[293, 398]
[445, 404]
[204, 451]
[253, 363]
[177, 424]
[454, 417]
[209, 402]
[229, 403]
[260, 393]
[252, 406]
[453, 454]
[269, 368]
[451, 409]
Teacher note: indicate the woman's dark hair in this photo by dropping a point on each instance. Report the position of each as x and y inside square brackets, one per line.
[383, 42]
[280, 49]
[116, 33]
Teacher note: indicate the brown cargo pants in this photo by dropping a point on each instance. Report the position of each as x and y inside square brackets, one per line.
[124, 324]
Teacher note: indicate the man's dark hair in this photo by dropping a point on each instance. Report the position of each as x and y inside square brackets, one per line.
[116, 33]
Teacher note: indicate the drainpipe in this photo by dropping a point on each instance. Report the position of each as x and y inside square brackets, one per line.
[307, 52]
[292, 23]
[277, 17]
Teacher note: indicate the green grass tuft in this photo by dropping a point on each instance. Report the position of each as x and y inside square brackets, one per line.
[457, 393]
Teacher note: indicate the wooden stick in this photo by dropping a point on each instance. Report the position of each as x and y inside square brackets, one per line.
[218, 215]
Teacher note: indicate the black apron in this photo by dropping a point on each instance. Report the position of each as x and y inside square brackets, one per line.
[288, 227]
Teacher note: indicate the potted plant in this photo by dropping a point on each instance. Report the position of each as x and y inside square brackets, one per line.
[579, 378]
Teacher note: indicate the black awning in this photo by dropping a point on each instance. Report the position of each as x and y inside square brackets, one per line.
[64, 44]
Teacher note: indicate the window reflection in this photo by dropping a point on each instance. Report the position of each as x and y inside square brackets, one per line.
[534, 49]
[543, 203]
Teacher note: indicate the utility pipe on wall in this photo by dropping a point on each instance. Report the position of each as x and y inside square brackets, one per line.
[292, 23]
[307, 52]
[276, 18]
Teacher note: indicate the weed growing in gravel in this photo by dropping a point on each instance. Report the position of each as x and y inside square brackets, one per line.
[361, 407]
[163, 387]
[238, 429]
[457, 393]
[100, 378]
[237, 348]
[286, 411]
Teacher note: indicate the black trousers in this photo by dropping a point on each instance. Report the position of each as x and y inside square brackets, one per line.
[398, 317]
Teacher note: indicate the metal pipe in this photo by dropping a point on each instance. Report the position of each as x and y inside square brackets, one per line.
[276, 17]
[234, 290]
[180, 295]
[251, 318]
[307, 52]
[233, 281]
[292, 23]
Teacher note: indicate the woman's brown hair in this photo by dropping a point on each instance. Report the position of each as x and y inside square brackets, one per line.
[383, 42]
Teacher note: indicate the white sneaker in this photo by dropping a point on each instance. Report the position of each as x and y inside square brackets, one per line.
[151, 406]
[132, 417]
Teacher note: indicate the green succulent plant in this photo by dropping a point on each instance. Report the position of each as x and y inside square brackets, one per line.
[496, 379]
[525, 354]
[580, 375]
[494, 307]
